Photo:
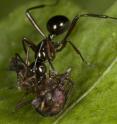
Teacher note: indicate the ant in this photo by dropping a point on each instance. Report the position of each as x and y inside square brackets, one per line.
[50, 92]
[57, 25]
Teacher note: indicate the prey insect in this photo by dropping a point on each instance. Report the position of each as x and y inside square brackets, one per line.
[50, 92]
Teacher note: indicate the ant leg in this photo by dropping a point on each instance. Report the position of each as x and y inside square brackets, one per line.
[48, 50]
[76, 18]
[19, 58]
[29, 44]
[63, 43]
[32, 20]
[96, 16]
[26, 41]
[49, 61]
[74, 21]
[77, 51]
[27, 57]
[74, 47]
[52, 67]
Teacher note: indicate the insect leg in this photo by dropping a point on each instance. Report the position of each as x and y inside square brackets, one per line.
[63, 43]
[96, 15]
[60, 46]
[76, 19]
[26, 41]
[32, 20]
[49, 61]
[73, 24]
[77, 51]
[19, 58]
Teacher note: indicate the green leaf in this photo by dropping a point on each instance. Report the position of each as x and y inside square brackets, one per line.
[94, 93]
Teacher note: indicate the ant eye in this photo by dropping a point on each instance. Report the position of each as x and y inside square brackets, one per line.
[58, 24]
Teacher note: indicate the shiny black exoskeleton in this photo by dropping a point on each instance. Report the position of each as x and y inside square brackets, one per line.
[58, 24]
[47, 48]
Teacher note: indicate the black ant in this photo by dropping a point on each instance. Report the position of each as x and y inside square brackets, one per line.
[46, 49]
[50, 92]
[57, 25]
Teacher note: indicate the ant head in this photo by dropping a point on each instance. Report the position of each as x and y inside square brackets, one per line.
[58, 24]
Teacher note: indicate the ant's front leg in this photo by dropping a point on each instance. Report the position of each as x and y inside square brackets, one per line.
[26, 45]
[29, 44]
[76, 20]
[33, 21]
[77, 51]
[64, 42]
[73, 24]
[60, 46]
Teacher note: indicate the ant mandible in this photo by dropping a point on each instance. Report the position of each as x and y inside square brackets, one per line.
[57, 25]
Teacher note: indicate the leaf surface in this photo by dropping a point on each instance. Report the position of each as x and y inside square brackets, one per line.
[94, 93]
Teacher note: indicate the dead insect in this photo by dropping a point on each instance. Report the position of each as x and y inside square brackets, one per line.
[50, 92]
[53, 92]
[27, 80]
